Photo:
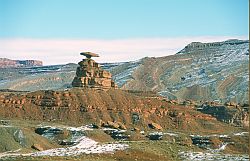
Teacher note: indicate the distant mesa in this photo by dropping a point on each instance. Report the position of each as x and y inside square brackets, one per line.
[8, 63]
[199, 45]
[90, 74]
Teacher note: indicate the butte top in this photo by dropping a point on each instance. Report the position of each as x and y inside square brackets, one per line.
[90, 74]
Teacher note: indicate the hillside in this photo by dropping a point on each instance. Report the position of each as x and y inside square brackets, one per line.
[201, 71]
[88, 124]
[83, 105]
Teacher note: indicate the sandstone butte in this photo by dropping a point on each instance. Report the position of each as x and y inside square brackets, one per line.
[90, 74]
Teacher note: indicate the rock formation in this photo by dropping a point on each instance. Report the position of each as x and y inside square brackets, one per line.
[90, 74]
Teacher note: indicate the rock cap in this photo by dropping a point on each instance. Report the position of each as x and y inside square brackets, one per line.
[89, 54]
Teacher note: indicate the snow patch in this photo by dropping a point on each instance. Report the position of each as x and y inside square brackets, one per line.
[200, 156]
[85, 145]
[240, 133]
[82, 145]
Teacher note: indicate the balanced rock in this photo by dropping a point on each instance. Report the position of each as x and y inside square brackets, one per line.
[90, 74]
[89, 54]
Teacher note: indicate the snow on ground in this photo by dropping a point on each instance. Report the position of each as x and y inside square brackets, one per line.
[171, 134]
[213, 135]
[241, 133]
[213, 154]
[83, 145]
[200, 156]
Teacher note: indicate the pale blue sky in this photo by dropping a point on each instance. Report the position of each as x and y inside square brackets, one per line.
[56, 31]
[118, 19]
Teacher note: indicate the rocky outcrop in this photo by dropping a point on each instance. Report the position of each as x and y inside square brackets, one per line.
[114, 125]
[117, 134]
[6, 63]
[155, 126]
[90, 74]
[229, 113]
[155, 136]
[113, 108]
[37, 147]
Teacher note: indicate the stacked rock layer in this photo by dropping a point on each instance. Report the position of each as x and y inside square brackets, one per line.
[90, 74]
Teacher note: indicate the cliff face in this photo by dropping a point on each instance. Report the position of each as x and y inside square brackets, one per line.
[6, 63]
[228, 113]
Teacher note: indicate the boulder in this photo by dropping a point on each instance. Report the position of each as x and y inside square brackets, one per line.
[118, 134]
[135, 129]
[64, 134]
[122, 126]
[37, 147]
[231, 104]
[155, 136]
[155, 126]
[175, 102]
[113, 125]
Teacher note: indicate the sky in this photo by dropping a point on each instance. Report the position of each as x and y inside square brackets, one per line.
[56, 31]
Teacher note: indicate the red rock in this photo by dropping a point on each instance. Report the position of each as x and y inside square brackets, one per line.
[37, 147]
[155, 126]
[89, 74]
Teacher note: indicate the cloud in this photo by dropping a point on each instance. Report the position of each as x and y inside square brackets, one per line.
[61, 51]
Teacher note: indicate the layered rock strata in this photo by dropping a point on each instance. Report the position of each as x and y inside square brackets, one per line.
[90, 74]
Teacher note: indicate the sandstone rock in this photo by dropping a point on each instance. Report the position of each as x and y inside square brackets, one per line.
[6, 101]
[122, 126]
[22, 101]
[63, 134]
[113, 125]
[231, 104]
[228, 114]
[101, 123]
[155, 126]
[66, 94]
[188, 102]
[136, 129]
[89, 54]
[175, 102]
[90, 74]
[19, 107]
[245, 120]
[37, 147]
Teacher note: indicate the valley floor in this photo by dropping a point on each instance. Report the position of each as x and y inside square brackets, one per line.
[18, 138]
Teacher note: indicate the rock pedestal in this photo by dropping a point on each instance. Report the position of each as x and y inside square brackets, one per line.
[90, 74]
